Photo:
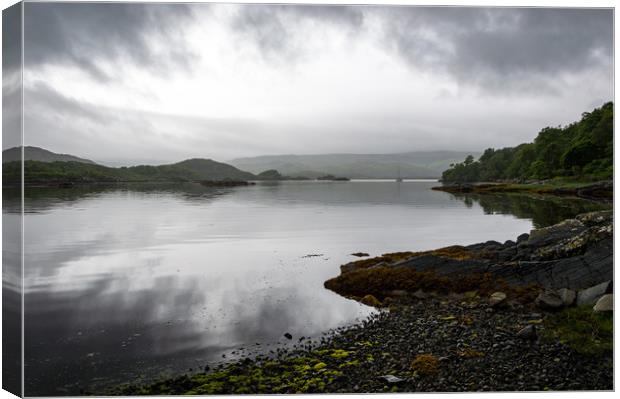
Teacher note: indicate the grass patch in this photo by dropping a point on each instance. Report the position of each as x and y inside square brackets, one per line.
[456, 252]
[582, 330]
[379, 280]
[293, 375]
[425, 365]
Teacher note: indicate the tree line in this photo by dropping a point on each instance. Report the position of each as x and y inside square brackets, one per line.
[580, 150]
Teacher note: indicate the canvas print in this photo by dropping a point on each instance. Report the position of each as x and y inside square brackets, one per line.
[221, 198]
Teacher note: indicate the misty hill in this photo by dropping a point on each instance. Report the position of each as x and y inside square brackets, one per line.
[191, 169]
[39, 154]
[80, 172]
[420, 164]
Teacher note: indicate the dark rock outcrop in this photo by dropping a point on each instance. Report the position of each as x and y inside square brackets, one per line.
[575, 254]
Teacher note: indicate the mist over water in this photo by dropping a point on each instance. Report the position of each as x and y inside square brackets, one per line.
[124, 282]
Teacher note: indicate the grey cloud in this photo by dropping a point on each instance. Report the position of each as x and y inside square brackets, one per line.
[11, 76]
[521, 49]
[11, 117]
[11, 38]
[84, 34]
[500, 48]
[272, 27]
[40, 94]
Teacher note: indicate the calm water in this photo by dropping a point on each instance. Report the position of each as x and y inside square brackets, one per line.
[147, 280]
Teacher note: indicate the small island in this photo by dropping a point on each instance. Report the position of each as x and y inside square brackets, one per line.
[333, 178]
[225, 183]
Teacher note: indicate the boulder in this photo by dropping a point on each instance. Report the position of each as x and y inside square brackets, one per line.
[528, 332]
[419, 294]
[522, 238]
[549, 300]
[605, 304]
[391, 379]
[497, 298]
[568, 296]
[589, 296]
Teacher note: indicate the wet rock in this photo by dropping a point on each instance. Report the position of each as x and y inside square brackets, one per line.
[605, 304]
[528, 333]
[589, 296]
[392, 379]
[419, 294]
[549, 300]
[497, 298]
[288, 336]
[576, 243]
[360, 254]
[568, 296]
[553, 234]
[597, 217]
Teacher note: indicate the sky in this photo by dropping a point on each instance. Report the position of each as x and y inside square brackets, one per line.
[154, 83]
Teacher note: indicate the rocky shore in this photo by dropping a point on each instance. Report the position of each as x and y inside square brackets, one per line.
[456, 343]
[574, 254]
[532, 314]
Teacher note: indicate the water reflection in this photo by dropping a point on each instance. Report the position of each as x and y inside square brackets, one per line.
[146, 279]
[543, 211]
[41, 199]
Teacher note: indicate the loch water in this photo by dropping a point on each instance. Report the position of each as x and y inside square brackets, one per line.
[144, 280]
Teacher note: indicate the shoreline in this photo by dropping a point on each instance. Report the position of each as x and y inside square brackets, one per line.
[598, 191]
[456, 319]
[86, 183]
[461, 345]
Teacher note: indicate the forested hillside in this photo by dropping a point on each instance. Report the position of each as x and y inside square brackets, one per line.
[78, 172]
[581, 150]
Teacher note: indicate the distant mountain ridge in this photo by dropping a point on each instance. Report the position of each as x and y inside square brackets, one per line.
[42, 166]
[39, 154]
[45, 166]
[417, 164]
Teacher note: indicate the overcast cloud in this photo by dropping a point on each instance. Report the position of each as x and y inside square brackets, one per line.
[136, 82]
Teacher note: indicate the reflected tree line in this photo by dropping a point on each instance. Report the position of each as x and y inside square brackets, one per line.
[543, 211]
